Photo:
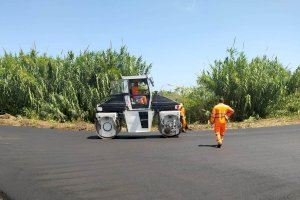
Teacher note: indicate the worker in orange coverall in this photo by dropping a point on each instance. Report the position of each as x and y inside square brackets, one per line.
[219, 116]
[183, 118]
[137, 94]
[135, 88]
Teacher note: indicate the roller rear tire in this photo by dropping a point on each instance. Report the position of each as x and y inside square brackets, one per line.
[170, 126]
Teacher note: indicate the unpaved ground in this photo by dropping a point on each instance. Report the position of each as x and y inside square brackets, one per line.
[253, 123]
[9, 120]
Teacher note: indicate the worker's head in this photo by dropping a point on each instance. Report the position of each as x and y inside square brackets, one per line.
[221, 100]
[180, 105]
[136, 83]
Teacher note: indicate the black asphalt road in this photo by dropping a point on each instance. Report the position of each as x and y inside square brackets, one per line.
[53, 164]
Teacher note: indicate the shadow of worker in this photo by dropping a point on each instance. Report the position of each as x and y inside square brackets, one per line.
[93, 137]
[208, 145]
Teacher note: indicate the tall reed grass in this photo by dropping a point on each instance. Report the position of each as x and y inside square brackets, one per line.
[62, 88]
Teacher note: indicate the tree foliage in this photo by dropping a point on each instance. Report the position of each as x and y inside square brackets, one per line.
[68, 87]
[248, 86]
[294, 82]
[62, 88]
[254, 88]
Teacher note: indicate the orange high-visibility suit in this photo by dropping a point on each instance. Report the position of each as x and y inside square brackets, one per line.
[143, 100]
[219, 116]
[135, 90]
[183, 117]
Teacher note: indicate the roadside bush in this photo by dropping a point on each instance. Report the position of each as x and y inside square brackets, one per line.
[249, 87]
[286, 106]
[197, 101]
[62, 88]
[256, 89]
[294, 82]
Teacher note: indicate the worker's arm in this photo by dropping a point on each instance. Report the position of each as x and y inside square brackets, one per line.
[229, 111]
[183, 112]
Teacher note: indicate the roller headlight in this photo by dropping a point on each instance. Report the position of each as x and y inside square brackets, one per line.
[99, 109]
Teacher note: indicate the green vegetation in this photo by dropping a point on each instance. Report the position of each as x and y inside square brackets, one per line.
[258, 88]
[68, 87]
[62, 88]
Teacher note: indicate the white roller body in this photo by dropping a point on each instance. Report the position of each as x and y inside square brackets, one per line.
[133, 121]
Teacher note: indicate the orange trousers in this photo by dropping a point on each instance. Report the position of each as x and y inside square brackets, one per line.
[183, 122]
[220, 129]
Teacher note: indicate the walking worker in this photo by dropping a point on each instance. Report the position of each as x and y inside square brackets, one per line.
[183, 118]
[219, 116]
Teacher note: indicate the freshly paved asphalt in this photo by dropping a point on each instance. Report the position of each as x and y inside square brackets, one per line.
[53, 164]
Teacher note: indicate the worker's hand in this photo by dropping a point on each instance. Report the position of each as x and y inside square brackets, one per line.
[227, 118]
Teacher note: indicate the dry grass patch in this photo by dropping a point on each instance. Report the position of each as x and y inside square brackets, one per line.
[9, 120]
[254, 123]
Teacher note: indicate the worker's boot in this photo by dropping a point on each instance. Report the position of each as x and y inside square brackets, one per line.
[219, 140]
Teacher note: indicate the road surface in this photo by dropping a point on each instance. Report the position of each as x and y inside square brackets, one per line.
[42, 164]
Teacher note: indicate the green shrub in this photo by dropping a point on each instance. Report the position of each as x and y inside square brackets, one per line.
[294, 82]
[255, 89]
[286, 106]
[62, 88]
[249, 87]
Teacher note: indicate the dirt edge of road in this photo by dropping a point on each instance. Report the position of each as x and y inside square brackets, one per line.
[9, 120]
[254, 123]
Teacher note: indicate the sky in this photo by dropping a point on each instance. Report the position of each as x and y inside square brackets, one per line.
[181, 38]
